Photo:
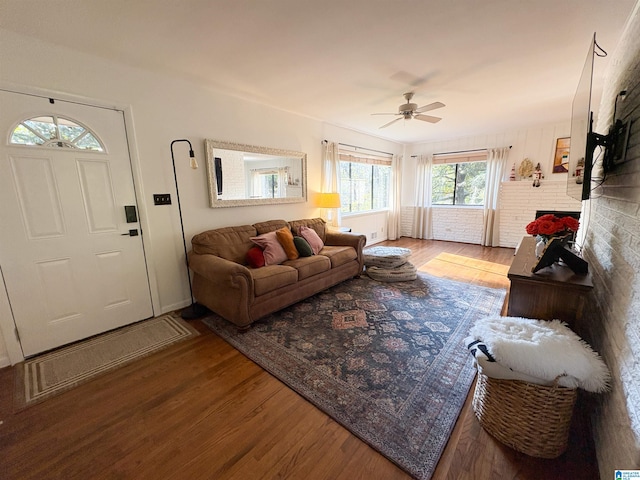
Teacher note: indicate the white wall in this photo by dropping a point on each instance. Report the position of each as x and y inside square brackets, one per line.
[537, 143]
[373, 225]
[164, 109]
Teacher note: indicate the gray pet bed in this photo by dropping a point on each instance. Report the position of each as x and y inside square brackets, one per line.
[385, 257]
[403, 273]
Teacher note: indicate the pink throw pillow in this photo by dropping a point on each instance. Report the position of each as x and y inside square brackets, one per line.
[310, 235]
[273, 252]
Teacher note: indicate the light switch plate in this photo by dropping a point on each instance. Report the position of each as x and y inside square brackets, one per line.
[162, 199]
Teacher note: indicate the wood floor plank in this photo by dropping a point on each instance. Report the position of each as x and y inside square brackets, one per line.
[201, 410]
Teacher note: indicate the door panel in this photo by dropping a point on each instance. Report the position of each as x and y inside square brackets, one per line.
[35, 186]
[111, 267]
[69, 271]
[60, 294]
[97, 196]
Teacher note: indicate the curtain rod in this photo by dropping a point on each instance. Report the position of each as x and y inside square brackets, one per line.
[461, 151]
[362, 148]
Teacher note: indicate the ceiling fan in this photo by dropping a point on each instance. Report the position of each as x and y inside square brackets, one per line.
[409, 110]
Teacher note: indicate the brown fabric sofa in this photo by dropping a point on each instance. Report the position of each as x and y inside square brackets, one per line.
[224, 283]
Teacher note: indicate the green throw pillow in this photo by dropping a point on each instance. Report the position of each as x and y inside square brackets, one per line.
[303, 247]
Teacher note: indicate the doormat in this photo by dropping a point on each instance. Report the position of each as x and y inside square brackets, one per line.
[51, 373]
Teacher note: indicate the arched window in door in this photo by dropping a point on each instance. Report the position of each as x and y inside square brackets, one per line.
[55, 131]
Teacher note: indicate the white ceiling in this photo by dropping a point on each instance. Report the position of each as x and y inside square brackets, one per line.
[498, 65]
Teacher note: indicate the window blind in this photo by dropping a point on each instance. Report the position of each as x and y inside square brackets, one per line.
[370, 160]
[440, 158]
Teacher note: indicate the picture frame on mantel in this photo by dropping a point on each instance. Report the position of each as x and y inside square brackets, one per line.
[555, 250]
[561, 156]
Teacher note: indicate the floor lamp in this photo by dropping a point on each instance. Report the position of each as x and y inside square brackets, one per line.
[194, 310]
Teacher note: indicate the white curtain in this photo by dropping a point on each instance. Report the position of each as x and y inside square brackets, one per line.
[422, 224]
[394, 222]
[331, 176]
[283, 181]
[496, 169]
[256, 186]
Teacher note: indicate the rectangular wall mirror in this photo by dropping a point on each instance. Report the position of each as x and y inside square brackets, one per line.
[240, 175]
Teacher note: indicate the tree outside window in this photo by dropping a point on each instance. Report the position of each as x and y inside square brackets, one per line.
[55, 131]
[364, 186]
[458, 183]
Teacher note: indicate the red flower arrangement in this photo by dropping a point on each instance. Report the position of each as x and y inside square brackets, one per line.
[551, 226]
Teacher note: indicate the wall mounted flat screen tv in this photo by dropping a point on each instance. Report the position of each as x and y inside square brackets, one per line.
[582, 146]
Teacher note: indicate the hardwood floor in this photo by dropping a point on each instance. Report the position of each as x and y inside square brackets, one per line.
[201, 410]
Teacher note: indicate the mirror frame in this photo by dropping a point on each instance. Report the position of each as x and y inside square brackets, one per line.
[214, 202]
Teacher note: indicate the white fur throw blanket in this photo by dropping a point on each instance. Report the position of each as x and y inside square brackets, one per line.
[537, 349]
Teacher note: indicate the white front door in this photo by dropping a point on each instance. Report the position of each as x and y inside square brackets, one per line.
[70, 265]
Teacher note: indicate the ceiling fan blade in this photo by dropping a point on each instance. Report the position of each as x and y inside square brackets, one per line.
[385, 114]
[427, 118]
[431, 106]
[392, 121]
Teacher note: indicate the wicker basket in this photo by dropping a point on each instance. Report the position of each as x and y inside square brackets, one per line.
[532, 419]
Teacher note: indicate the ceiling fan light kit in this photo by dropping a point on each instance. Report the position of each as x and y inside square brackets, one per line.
[409, 110]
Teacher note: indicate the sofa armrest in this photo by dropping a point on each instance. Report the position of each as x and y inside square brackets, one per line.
[355, 240]
[223, 286]
[223, 273]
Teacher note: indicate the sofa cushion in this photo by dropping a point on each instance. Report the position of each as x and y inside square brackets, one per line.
[286, 240]
[272, 277]
[318, 224]
[270, 226]
[230, 243]
[310, 266]
[339, 255]
[255, 257]
[274, 254]
[303, 247]
[311, 236]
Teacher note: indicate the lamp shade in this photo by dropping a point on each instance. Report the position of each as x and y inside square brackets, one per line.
[328, 200]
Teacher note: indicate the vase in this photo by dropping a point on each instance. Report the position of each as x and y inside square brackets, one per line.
[541, 243]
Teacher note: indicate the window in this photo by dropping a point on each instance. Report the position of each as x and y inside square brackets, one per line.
[364, 182]
[269, 182]
[55, 131]
[457, 180]
[268, 185]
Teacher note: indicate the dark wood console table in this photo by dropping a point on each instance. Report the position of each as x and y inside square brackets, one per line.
[554, 292]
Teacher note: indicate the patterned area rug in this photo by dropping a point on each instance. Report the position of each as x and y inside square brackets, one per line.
[49, 374]
[386, 360]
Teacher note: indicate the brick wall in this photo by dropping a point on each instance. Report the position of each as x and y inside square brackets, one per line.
[457, 224]
[233, 176]
[453, 224]
[612, 247]
[406, 221]
[519, 201]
